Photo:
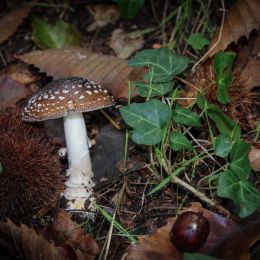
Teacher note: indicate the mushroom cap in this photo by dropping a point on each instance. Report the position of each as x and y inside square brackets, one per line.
[66, 95]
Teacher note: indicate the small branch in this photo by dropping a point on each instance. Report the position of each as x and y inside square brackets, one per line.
[197, 193]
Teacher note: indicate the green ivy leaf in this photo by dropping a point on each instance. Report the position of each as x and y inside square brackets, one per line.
[154, 89]
[57, 35]
[197, 41]
[223, 63]
[129, 8]
[147, 120]
[197, 256]
[163, 64]
[185, 117]
[241, 191]
[1, 169]
[225, 125]
[223, 145]
[178, 141]
[239, 159]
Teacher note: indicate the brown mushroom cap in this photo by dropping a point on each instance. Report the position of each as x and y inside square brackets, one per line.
[64, 96]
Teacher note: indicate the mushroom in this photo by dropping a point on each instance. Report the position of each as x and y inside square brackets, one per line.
[69, 98]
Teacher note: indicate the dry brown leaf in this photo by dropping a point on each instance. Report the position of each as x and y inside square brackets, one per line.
[103, 15]
[10, 22]
[124, 45]
[240, 21]
[27, 243]
[254, 157]
[227, 239]
[16, 83]
[67, 231]
[236, 245]
[11, 91]
[110, 72]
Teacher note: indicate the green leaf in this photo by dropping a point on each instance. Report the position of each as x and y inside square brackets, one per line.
[201, 101]
[197, 256]
[178, 141]
[224, 124]
[197, 41]
[223, 63]
[242, 192]
[167, 180]
[223, 145]
[147, 120]
[154, 89]
[239, 159]
[185, 117]
[163, 64]
[129, 8]
[1, 169]
[57, 35]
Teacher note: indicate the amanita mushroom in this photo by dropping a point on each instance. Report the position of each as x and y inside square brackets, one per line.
[69, 98]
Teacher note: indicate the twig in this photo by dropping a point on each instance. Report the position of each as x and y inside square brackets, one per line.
[197, 193]
[217, 42]
[111, 120]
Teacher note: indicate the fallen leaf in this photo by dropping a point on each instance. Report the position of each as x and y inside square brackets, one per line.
[26, 243]
[254, 157]
[103, 15]
[124, 45]
[223, 241]
[65, 231]
[11, 91]
[237, 243]
[54, 35]
[10, 22]
[16, 83]
[240, 21]
[110, 72]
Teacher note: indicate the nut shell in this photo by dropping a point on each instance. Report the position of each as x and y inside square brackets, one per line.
[31, 180]
[190, 231]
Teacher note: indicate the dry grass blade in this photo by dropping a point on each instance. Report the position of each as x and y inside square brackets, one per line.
[241, 20]
[10, 22]
[110, 72]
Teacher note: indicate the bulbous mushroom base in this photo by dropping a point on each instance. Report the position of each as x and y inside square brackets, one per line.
[79, 193]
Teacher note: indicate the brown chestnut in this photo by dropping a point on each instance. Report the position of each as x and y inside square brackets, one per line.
[190, 231]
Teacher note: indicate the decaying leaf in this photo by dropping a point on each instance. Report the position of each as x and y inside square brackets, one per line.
[124, 45]
[103, 15]
[254, 157]
[110, 72]
[26, 243]
[64, 239]
[66, 231]
[236, 244]
[224, 240]
[16, 82]
[240, 21]
[10, 22]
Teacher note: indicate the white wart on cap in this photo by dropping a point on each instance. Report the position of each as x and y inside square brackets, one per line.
[64, 96]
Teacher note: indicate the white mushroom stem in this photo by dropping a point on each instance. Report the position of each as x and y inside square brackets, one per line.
[79, 184]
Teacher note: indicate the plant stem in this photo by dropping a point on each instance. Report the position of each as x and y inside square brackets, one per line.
[197, 193]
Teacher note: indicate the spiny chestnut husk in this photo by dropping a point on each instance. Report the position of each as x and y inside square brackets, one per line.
[190, 231]
[31, 178]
